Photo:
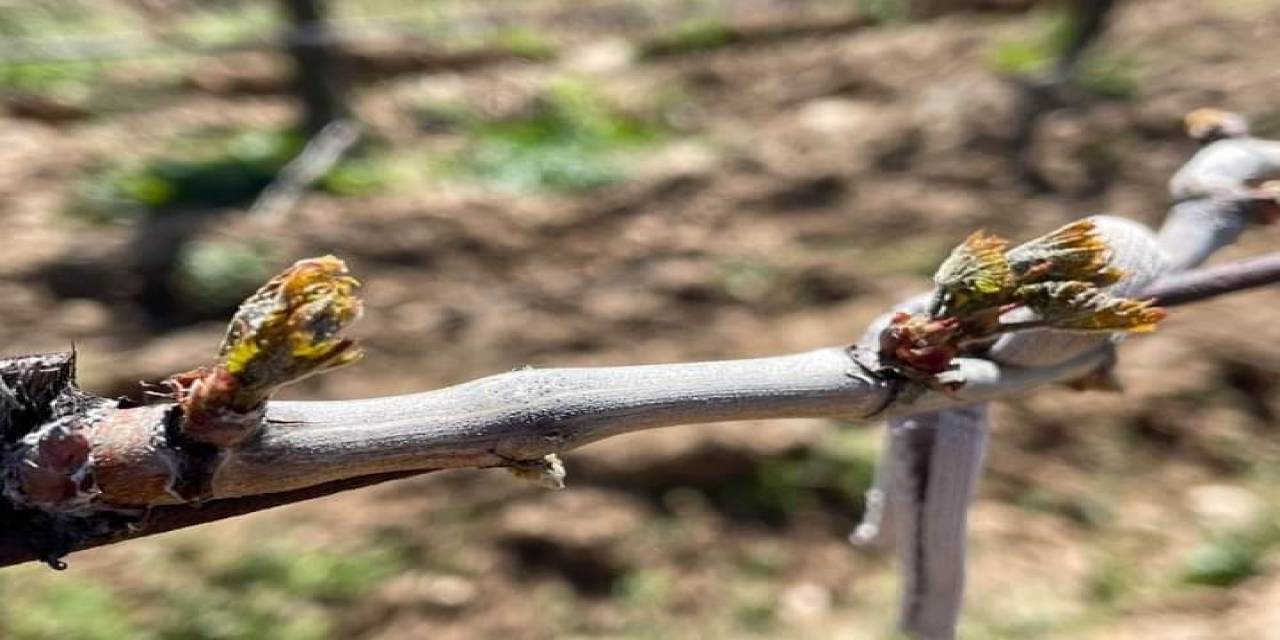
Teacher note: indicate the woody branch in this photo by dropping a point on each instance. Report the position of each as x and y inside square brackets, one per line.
[516, 418]
[94, 472]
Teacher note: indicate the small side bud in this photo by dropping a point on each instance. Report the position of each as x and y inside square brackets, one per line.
[547, 472]
[54, 472]
[975, 275]
[1208, 125]
[1074, 252]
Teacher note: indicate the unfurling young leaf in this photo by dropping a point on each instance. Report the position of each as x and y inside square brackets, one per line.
[288, 330]
[1080, 306]
[1074, 252]
[1058, 276]
[976, 275]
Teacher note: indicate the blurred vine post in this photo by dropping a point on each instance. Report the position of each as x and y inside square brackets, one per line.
[311, 43]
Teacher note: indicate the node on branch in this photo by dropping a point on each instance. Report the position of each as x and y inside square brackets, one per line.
[73, 468]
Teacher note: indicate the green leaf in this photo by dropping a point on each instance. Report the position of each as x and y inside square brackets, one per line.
[976, 275]
[1080, 306]
[1074, 252]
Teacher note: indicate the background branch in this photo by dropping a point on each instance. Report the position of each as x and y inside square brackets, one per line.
[323, 151]
[1214, 281]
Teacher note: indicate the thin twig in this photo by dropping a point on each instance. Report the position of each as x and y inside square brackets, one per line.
[1211, 282]
[315, 160]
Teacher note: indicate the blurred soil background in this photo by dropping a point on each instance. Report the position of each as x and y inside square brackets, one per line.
[547, 183]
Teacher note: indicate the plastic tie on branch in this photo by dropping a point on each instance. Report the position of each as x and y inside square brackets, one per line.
[288, 330]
